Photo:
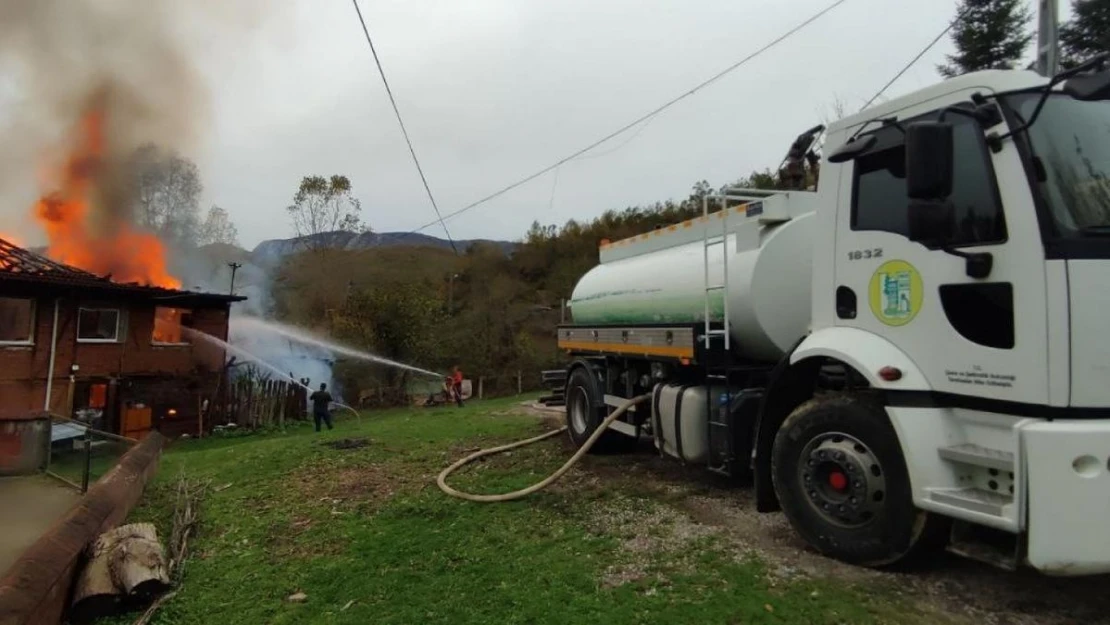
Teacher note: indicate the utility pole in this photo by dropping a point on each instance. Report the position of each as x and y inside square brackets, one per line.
[234, 267]
[1048, 37]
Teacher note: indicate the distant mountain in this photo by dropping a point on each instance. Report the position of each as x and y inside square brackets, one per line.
[268, 253]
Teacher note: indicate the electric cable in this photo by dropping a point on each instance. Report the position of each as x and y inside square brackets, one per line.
[915, 59]
[640, 119]
[599, 431]
[404, 131]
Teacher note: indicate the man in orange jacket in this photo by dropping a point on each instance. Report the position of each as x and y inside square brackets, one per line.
[456, 384]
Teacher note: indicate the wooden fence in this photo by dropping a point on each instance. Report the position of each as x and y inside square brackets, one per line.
[255, 403]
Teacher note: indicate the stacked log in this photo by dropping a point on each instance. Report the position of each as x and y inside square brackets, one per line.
[126, 567]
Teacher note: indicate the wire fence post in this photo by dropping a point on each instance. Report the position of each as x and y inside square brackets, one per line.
[48, 443]
[88, 463]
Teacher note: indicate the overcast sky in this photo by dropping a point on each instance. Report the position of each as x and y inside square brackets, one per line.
[492, 90]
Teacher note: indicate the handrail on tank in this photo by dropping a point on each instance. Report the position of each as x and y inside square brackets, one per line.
[743, 194]
[760, 193]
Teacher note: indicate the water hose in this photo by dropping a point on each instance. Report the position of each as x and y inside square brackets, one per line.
[358, 415]
[441, 480]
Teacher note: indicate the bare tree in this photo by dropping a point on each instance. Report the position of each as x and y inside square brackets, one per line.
[167, 194]
[217, 228]
[835, 110]
[322, 207]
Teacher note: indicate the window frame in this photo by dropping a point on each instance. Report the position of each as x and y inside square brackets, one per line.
[30, 340]
[118, 334]
[881, 145]
[1056, 246]
[182, 343]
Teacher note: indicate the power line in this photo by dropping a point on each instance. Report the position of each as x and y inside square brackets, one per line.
[554, 187]
[404, 131]
[630, 139]
[915, 59]
[640, 119]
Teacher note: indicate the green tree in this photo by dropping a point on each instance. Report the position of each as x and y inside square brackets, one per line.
[765, 180]
[400, 322]
[990, 34]
[1087, 34]
[322, 207]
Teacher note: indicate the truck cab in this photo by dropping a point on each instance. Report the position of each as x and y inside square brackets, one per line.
[969, 283]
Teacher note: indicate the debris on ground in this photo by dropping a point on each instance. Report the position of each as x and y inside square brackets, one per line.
[349, 443]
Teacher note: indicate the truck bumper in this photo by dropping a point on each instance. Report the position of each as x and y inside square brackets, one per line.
[1067, 464]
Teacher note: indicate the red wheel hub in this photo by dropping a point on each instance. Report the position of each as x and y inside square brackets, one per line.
[838, 480]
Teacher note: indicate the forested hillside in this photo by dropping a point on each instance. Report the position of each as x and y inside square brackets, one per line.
[490, 311]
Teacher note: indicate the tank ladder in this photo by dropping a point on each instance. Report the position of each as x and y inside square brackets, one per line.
[711, 241]
[717, 337]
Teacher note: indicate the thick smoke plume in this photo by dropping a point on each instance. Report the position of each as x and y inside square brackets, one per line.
[83, 85]
[131, 62]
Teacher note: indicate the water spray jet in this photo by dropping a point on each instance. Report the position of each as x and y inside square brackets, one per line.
[239, 351]
[307, 338]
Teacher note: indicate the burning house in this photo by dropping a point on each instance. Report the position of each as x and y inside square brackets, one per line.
[119, 356]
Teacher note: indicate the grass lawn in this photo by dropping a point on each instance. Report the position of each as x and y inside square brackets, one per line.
[368, 537]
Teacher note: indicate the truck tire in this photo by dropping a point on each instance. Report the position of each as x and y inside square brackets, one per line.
[840, 476]
[586, 410]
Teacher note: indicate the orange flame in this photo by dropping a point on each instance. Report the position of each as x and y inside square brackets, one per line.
[67, 215]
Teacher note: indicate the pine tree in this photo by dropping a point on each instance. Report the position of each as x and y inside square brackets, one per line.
[1087, 34]
[989, 34]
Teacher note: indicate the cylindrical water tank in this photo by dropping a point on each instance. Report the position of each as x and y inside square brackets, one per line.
[768, 288]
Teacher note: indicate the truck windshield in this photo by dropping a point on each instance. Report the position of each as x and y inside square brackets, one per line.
[1070, 142]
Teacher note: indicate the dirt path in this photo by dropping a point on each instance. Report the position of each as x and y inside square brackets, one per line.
[30, 505]
[954, 585]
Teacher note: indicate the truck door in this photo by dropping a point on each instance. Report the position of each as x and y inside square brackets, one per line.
[973, 338]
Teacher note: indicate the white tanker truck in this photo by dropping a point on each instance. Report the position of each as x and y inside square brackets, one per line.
[915, 354]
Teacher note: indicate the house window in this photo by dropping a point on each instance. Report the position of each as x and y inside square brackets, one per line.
[98, 325]
[881, 202]
[169, 326]
[17, 318]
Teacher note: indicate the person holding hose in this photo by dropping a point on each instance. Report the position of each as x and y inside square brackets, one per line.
[456, 385]
[320, 401]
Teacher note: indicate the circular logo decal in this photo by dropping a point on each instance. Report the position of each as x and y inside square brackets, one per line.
[895, 293]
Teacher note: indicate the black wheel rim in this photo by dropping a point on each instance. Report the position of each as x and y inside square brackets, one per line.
[843, 479]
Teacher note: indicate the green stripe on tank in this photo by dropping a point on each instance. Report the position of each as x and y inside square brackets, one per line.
[611, 308]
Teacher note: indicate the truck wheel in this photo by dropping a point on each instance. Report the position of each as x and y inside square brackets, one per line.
[840, 476]
[585, 411]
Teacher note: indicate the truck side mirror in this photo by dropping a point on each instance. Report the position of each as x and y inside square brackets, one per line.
[852, 149]
[1090, 87]
[929, 161]
[929, 173]
[931, 223]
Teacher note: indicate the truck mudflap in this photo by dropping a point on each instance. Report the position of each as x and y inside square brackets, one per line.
[1068, 467]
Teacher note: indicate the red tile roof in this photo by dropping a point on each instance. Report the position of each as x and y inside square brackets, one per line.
[20, 265]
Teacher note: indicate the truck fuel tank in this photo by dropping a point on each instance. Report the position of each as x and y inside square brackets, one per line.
[768, 286]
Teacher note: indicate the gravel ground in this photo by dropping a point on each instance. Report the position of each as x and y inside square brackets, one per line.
[697, 504]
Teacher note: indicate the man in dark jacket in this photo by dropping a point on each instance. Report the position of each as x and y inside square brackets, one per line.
[321, 399]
